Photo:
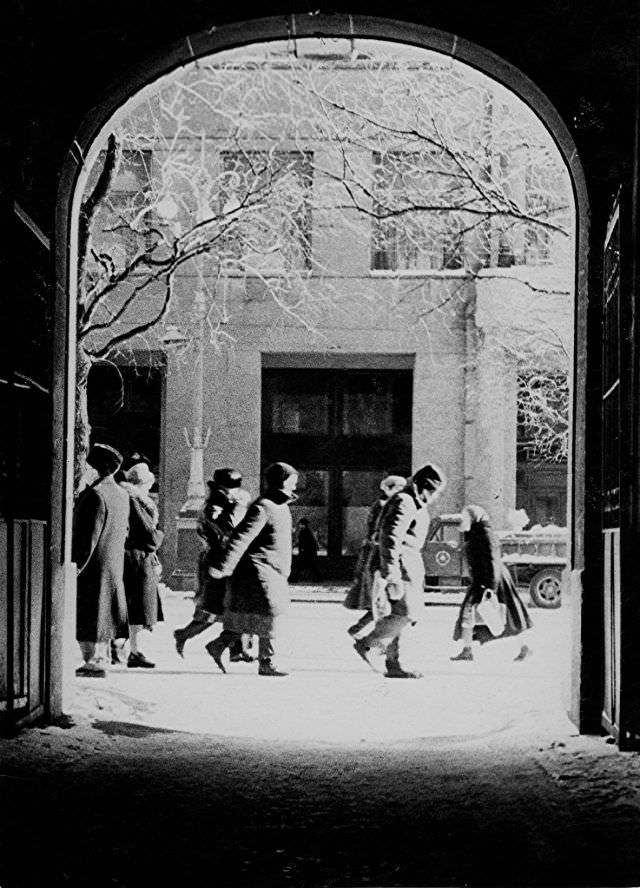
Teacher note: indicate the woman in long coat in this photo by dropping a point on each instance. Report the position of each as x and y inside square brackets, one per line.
[141, 564]
[258, 560]
[359, 595]
[101, 520]
[224, 508]
[487, 572]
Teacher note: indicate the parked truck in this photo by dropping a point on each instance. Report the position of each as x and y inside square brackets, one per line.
[536, 559]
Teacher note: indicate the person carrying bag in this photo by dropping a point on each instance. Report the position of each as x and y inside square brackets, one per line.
[491, 607]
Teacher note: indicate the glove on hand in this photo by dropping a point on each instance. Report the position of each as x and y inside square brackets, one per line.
[394, 590]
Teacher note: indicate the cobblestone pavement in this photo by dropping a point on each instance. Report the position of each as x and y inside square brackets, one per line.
[332, 776]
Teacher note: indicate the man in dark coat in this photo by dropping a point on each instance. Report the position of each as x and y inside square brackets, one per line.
[258, 560]
[100, 527]
[404, 525]
[307, 560]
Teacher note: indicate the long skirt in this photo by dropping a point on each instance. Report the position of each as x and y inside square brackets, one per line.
[517, 616]
[359, 595]
[144, 606]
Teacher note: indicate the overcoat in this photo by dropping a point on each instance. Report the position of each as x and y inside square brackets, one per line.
[258, 559]
[140, 560]
[359, 595]
[488, 571]
[215, 526]
[404, 525]
[100, 527]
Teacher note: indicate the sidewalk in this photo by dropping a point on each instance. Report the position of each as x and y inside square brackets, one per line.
[330, 777]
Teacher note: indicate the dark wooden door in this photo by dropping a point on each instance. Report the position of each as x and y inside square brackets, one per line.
[343, 429]
[620, 481]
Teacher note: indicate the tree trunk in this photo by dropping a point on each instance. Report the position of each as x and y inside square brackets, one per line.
[82, 425]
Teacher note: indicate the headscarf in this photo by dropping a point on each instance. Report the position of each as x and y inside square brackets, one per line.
[392, 484]
[276, 474]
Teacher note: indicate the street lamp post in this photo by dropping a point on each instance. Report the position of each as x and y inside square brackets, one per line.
[199, 440]
[188, 545]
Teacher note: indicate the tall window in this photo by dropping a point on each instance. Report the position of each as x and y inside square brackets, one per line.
[123, 222]
[545, 201]
[413, 228]
[265, 200]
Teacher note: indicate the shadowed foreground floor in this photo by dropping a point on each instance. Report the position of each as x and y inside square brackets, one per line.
[124, 797]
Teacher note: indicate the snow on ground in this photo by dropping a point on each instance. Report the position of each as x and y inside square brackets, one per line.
[330, 695]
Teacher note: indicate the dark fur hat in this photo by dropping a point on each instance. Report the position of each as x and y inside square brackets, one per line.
[226, 478]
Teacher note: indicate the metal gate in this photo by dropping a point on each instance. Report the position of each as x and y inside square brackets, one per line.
[23, 621]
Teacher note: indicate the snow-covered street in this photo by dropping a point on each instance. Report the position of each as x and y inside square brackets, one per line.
[330, 695]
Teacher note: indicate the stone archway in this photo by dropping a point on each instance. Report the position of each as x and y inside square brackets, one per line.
[72, 180]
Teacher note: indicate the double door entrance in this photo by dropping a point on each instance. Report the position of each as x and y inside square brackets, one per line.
[344, 430]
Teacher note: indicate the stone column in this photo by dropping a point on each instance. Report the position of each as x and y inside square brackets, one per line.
[491, 442]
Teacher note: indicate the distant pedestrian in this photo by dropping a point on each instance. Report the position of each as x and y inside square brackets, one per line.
[488, 571]
[404, 525]
[141, 563]
[258, 560]
[134, 458]
[306, 561]
[100, 527]
[224, 508]
[359, 595]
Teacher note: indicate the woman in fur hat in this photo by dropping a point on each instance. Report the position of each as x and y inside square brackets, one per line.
[141, 564]
[224, 508]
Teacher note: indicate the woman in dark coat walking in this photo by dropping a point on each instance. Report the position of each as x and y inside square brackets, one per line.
[487, 572]
[258, 560]
[100, 525]
[141, 564]
[224, 508]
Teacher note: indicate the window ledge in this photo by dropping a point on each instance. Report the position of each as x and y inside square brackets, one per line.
[426, 273]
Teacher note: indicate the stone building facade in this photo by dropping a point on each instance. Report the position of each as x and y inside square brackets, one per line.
[371, 366]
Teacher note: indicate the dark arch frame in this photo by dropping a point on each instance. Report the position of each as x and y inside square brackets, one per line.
[188, 50]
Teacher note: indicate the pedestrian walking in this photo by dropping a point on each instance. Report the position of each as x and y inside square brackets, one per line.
[100, 527]
[258, 560]
[141, 563]
[488, 572]
[306, 561]
[359, 595]
[404, 525]
[224, 508]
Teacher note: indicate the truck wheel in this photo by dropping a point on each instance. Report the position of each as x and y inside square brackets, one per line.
[545, 588]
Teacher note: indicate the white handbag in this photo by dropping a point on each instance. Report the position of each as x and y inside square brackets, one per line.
[491, 612]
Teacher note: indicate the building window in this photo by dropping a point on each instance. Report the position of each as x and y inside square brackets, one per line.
[405, 237]
[544, 189]
[265, 204]
[125, 406]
